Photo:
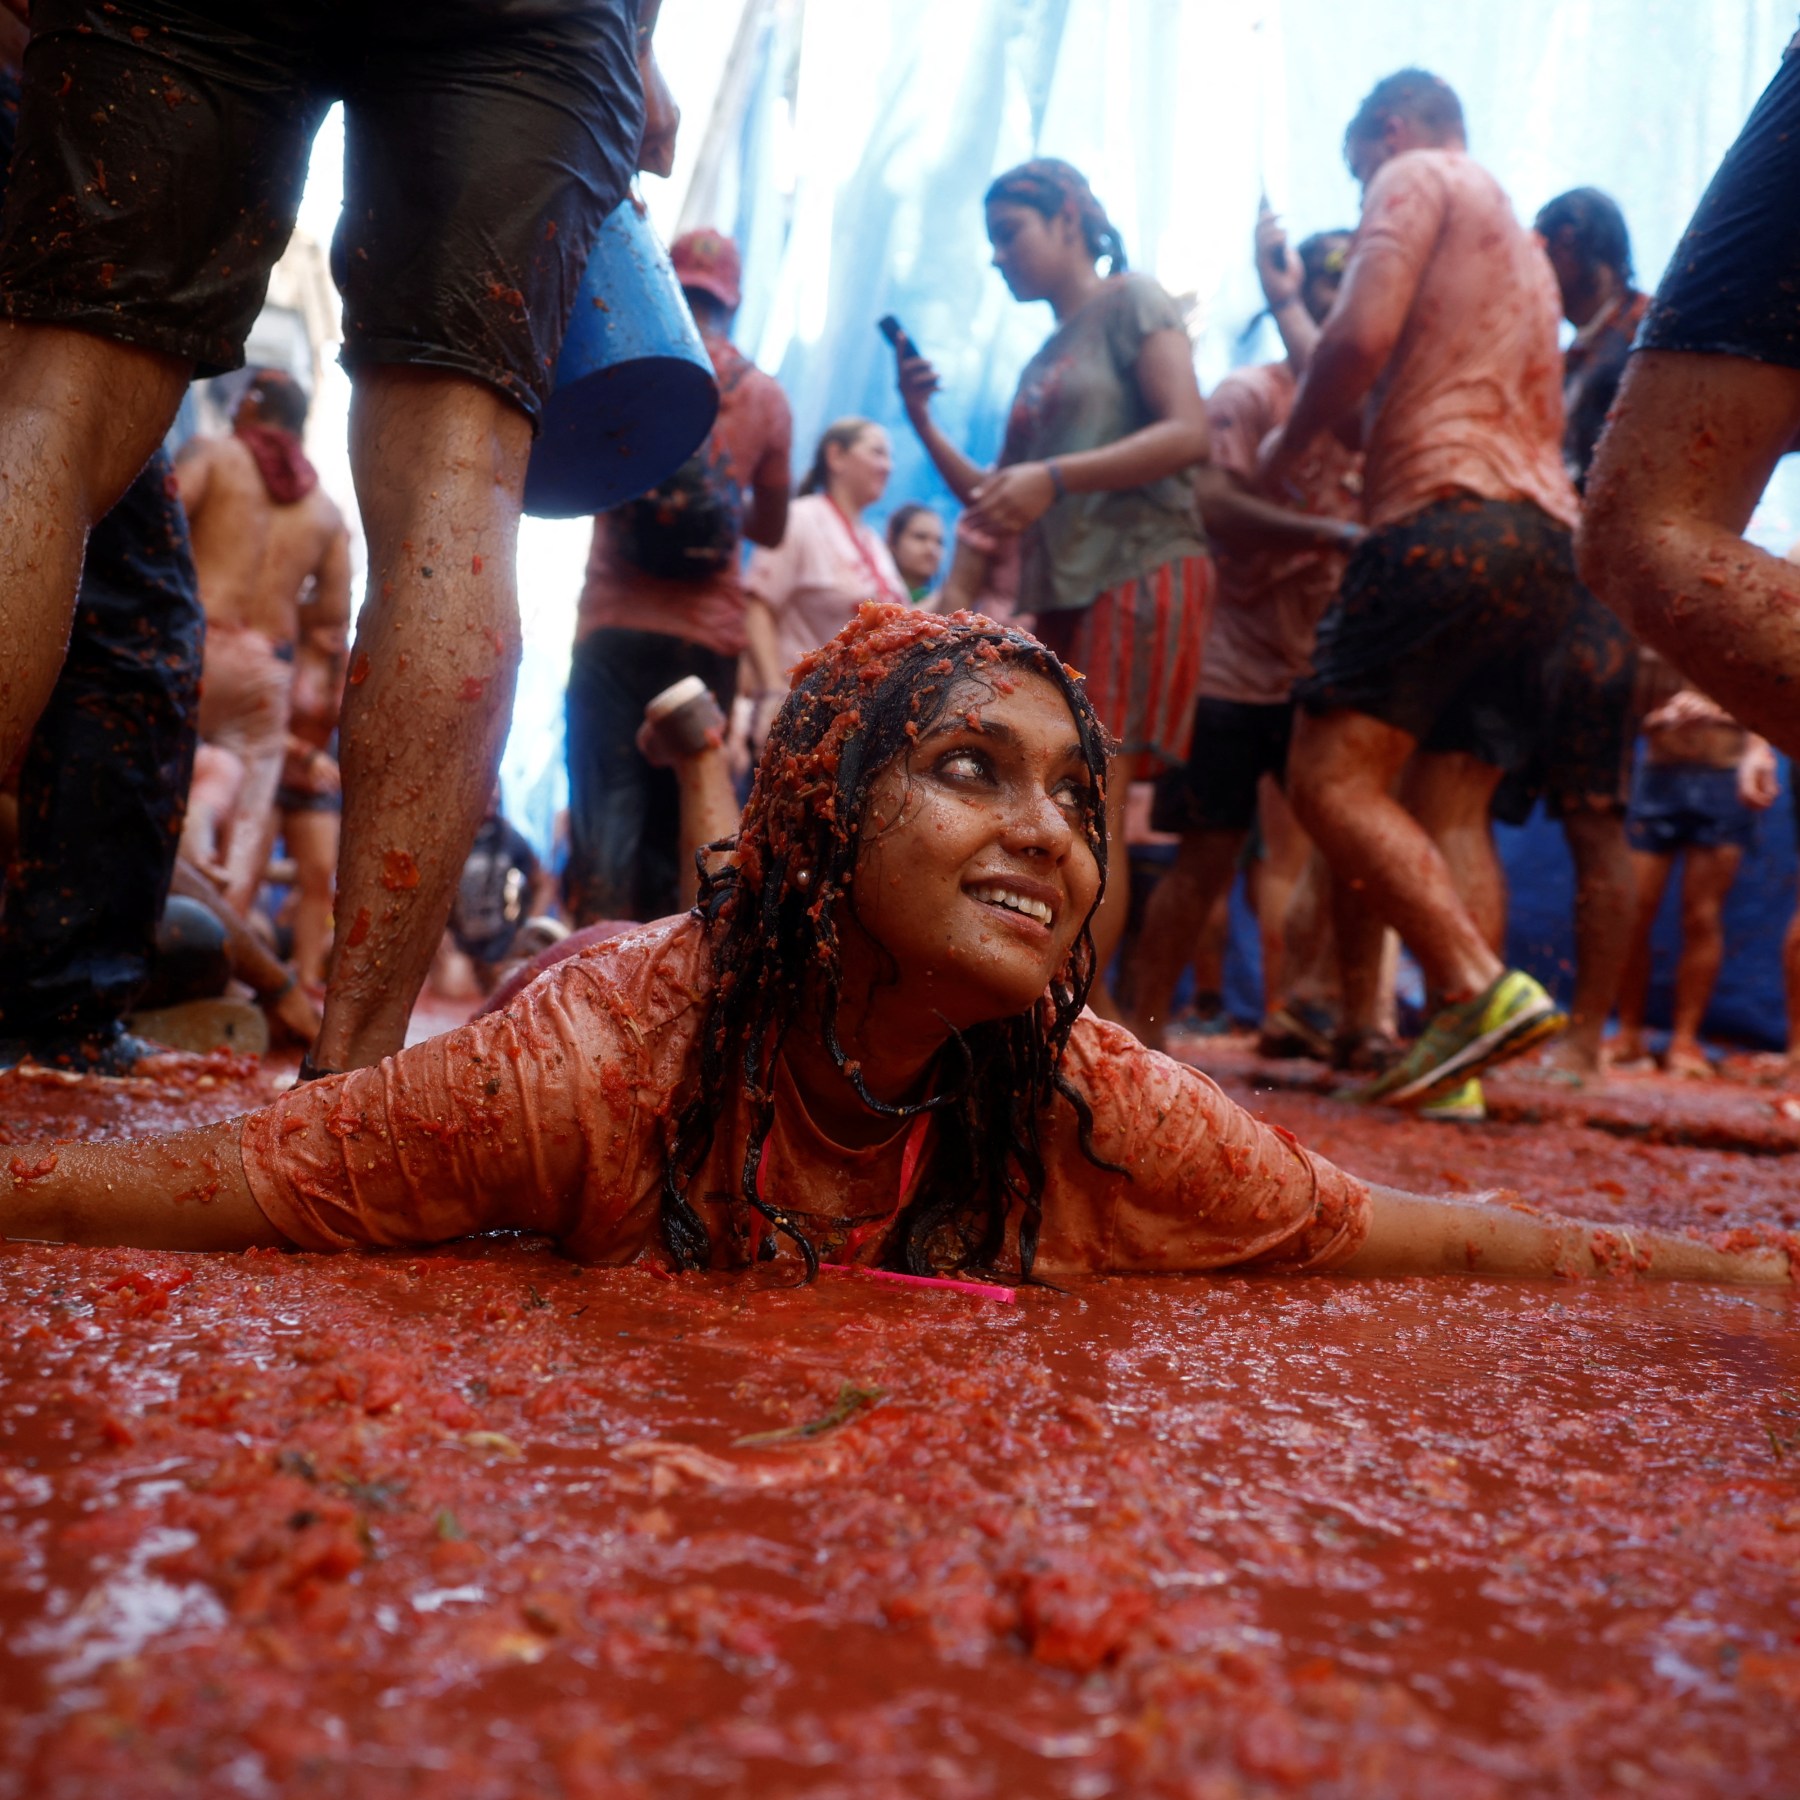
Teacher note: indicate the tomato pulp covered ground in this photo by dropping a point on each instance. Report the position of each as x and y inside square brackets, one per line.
[481, 1522]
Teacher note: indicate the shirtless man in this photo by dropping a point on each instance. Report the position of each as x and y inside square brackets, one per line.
[1444, 338]
[263, 533]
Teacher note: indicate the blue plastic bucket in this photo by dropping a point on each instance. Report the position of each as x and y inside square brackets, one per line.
[635, 394]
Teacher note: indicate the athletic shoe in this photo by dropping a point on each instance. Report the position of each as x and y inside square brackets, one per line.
[1465, 1105]
[1296, 1029]
[1502, 1022]
[1365, 1053]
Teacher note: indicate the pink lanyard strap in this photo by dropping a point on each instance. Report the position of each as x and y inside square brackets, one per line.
[909, 1166]
[862, 550]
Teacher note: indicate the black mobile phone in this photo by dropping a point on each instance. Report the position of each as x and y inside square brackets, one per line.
[895, 333]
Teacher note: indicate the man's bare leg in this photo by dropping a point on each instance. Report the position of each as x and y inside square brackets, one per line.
[1692, 443]
[1275, 880]
[439, 462]
[1175, 915]
[1451, 795]
[312, 841]
[1340, 772]
[1605, 893]
[79, 417]
[1650, 879]
[1705, 882]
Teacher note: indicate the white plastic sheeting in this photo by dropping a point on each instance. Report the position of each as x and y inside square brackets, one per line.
[853, 138]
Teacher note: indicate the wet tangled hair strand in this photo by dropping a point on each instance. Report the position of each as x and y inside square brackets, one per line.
[773, 916]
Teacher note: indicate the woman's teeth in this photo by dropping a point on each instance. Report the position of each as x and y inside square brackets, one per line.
[999, 896]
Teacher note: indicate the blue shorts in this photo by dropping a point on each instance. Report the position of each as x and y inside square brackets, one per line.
[1731, 287]
[1687, 806]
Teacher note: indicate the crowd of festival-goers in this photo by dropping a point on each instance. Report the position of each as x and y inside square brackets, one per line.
[1440, 562]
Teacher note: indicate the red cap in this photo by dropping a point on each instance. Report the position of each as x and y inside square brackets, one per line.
[708, 260]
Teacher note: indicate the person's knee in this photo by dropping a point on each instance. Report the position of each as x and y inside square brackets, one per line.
[423, 436]
[1702, 915]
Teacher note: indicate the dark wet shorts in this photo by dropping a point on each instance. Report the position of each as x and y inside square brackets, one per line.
[1235, 745]
[163, 148]
[1733, 285]
[1583, 760]
[1687, 806]
[1443, 624]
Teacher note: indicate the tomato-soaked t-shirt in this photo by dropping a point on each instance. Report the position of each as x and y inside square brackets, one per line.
[555, 1115]
[1259, 641]
[1471, 398]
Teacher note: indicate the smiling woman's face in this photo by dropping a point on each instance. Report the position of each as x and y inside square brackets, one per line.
[975, 874]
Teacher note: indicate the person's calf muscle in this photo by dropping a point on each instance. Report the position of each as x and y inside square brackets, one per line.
[439, 464]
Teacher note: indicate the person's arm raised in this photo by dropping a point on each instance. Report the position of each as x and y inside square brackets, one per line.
[1176, 439]
[1354, 345]
[1416, 1234]
[1283, 280]
[1403, 213]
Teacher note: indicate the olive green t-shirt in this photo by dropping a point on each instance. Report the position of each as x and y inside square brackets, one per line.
[1080, 392]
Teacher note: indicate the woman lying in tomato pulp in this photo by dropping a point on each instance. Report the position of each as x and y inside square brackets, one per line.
[866, 1044]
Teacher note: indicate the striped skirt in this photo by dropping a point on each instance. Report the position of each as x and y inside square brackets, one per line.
[1139, 646]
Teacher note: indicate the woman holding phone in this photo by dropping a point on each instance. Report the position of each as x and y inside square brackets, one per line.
[1095, 479]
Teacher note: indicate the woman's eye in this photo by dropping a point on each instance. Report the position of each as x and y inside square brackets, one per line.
[963, 765]
[1074, 796]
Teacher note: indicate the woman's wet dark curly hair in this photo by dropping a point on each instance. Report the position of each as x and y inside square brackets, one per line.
[773, 917]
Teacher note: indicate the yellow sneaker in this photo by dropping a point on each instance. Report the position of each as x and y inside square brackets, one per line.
[1465, 1105]
[1503, 1022]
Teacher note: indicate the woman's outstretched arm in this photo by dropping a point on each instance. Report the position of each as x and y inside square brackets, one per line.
[183, 1192]
[1412, 1234]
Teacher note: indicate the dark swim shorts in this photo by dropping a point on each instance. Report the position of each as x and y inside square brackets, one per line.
[163, 148]
[1235, 745]
[1733, 285]
[1583, 759]
[1443, 624]
[1688, 806]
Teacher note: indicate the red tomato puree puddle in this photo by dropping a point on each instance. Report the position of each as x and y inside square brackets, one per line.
[480, 1522]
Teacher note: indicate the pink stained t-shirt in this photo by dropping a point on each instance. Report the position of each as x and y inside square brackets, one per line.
[819, 574]
[1471, 398]
[1259, 641]
[555, 1116]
